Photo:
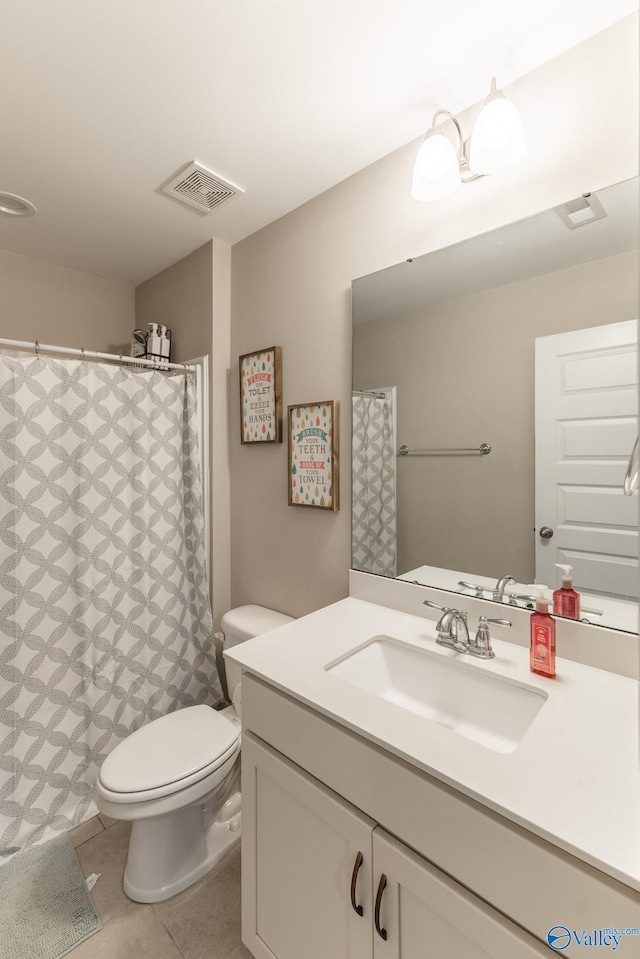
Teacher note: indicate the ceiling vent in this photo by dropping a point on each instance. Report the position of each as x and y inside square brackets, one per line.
[584, 209]
[201, 188]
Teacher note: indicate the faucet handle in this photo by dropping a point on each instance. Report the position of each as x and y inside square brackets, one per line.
[478, 589]
[514, 598]
[443, 609]
[481, 645]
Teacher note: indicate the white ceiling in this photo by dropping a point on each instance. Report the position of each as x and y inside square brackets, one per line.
[102, 102]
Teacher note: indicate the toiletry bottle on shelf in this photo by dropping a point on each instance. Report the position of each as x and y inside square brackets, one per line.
[542, 651]
[164, 345]
[153, 342]
[566, 602]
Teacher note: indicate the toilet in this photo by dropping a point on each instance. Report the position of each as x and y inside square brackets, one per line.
[177, 780]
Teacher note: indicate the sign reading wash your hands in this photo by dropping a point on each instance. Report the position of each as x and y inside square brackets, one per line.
[261, 396]
[313, 455]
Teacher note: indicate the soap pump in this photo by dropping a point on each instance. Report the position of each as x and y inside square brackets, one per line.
[566, 602]
[542, 649]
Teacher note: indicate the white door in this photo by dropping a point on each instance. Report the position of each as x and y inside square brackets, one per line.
[586, 423]
[421, 912]
[306, 864]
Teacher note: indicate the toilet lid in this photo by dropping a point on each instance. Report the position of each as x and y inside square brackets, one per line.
[169, 749]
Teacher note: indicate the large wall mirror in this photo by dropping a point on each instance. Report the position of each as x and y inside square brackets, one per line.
[495, 401]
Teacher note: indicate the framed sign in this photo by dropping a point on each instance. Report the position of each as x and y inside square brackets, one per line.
[313, 455]
[261, 396]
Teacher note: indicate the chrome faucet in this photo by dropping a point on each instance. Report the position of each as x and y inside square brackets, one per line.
[452, 627]
[499, 588]
[453, 631]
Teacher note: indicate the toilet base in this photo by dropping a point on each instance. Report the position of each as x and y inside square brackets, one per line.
[168, 854]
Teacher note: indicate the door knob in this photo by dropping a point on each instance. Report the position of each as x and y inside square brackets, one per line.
[546, 532]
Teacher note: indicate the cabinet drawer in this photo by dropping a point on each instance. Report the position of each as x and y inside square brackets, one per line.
[526, 878]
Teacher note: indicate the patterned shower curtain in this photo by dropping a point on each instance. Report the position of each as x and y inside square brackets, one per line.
[105, 621]
[373, 505]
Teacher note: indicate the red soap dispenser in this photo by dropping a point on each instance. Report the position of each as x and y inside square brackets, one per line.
[566, 602]
[542, 650]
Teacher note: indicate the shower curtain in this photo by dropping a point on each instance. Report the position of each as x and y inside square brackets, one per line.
[373, 513]
[105, 621]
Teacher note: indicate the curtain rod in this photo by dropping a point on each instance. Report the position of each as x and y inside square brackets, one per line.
[94, 354]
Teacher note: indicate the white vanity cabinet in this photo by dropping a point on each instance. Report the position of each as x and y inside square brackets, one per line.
[300, 843]
[463, 882]
[323, 881]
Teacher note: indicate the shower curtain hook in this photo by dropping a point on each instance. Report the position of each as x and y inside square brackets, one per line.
[37, 349]
[82, 351]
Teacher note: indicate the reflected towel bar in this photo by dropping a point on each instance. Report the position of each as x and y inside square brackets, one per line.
[376, 394]
[483, 450]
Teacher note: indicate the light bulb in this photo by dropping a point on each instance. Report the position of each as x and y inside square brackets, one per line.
[436, 172]
[498, 136]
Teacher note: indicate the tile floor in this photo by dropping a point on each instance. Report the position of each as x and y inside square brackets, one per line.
[202, 922]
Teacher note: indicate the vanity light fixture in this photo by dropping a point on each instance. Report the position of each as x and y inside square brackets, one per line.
[15, 205]
[497, 141]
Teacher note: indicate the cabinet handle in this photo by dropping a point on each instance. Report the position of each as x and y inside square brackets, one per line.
[382, 885]
[354, 879]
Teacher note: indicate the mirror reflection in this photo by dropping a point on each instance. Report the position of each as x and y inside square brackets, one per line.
[523, 341]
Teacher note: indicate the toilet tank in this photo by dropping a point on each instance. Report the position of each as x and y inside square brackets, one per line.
[245, 622]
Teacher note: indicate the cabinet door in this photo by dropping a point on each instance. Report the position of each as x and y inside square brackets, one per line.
[426, 915]
[300, 848]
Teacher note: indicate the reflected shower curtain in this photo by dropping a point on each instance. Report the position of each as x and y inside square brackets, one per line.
[373, 513]
[105, 621]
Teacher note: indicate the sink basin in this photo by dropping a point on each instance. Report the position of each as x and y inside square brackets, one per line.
[490, 710]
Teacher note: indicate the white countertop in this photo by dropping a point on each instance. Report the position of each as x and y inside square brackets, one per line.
[574, 777]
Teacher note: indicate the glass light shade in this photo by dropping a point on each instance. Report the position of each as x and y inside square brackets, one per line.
[498, 136]
[436, 172]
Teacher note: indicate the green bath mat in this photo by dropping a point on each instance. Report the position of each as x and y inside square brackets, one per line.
[45, 907]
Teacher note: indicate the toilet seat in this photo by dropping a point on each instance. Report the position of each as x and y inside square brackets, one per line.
[168, 754]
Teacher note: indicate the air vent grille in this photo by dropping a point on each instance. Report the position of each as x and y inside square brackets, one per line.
[201, 188]
[580, 211]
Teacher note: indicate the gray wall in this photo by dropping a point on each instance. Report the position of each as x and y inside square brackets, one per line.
[50, 303]
[291, 288]
[464, 370]
[181, 298]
